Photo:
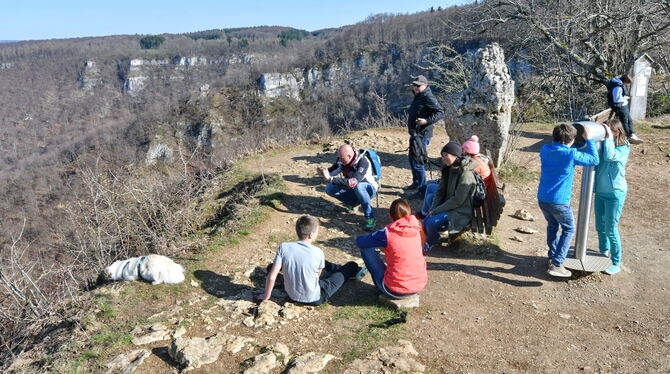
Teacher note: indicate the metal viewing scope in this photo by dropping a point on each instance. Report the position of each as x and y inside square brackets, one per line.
[581, 258]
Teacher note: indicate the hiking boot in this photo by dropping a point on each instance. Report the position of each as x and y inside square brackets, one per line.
[370, 224]
[362, 271]
[613, 269]
[634, 139]
[559, 271]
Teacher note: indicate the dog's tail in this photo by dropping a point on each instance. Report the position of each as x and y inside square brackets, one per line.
[175, 274]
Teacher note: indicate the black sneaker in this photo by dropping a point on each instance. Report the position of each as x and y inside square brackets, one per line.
[412, 186]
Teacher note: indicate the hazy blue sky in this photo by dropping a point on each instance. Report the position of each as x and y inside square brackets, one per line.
[48, 19]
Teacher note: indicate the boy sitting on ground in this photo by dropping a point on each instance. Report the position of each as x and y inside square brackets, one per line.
[302, 263]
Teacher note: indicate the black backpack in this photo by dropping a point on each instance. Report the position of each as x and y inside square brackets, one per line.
[417, 151]
[479, 194]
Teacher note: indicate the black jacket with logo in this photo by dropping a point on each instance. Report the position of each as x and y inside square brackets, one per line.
[426, 106]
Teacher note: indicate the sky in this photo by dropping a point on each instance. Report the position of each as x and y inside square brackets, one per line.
[54, 19]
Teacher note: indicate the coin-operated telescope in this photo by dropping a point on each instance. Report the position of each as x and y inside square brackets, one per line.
[581, 258]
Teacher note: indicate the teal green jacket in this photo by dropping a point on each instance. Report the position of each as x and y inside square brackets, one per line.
[611, 171]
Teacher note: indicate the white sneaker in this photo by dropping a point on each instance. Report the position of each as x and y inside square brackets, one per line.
[634, 139]
[559, 271]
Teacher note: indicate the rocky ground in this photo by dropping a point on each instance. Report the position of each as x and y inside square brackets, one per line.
[489, 306]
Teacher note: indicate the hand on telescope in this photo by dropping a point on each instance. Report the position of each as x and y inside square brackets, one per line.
[608, 131]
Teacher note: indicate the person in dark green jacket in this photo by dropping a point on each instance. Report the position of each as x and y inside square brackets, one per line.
[610, 191]
[452, 204]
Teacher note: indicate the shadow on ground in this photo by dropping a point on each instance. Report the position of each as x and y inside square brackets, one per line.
[220, 285]
[461, 250]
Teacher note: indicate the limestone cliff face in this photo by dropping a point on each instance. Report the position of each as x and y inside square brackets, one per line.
[90, 76]
[370, 69]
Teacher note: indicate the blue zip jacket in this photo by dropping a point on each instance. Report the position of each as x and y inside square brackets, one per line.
[611, 172]
[557, 169]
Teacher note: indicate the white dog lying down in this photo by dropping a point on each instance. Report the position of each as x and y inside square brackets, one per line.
[156, 269]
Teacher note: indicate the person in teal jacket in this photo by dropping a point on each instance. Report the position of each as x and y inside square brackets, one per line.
[610, 191]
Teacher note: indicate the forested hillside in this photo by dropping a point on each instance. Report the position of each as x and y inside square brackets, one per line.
[79, 118]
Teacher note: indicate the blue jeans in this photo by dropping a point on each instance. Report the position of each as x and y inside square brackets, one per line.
[433, 225]
[361, 194]
[419, 171]
[608, 209]
[431, 188]
[377, 268]
[558, 215]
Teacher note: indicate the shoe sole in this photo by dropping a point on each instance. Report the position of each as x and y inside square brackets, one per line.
[557, 274]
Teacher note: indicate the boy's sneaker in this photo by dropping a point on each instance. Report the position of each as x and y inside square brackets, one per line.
[352, 208]
[559, 271]
[605, 253]
[361, 273]
[634, 139]
[412, 186]
[370, 224]
[613, 269]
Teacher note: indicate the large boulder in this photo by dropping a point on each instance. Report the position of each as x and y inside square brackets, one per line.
[485, 107]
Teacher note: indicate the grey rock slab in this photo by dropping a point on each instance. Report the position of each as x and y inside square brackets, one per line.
[406, 303]
[312, 362]
[263, 363]
[191, 353]
[127, 363]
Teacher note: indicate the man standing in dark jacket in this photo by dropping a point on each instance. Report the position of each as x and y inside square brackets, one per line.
[423, 113]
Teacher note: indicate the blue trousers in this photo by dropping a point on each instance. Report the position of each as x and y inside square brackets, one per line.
[361, 194]
[419, 171]
[433, 225]
[377, 268]
[558, 215]
[608, 209]
[623, 113]
[431, 188]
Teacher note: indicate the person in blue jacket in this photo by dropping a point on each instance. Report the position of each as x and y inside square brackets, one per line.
[617, 99]
[610, 191]
[558, 161]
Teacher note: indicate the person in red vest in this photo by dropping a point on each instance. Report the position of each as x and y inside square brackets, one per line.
[405, 272]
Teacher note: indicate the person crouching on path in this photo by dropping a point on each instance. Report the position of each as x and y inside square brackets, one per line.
[357, 185]
[404, 273]
[557, 169]
[452, 202]
[301, 264]
[610, 190]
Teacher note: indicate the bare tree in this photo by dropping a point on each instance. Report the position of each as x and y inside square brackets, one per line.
[593, 39]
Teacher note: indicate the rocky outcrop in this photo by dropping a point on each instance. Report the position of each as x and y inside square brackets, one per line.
[127, 363]
[390, 360]
[485, 107]
[362, 70]
[90, 76]
[312, 362]
[159, 153]
[137, 73]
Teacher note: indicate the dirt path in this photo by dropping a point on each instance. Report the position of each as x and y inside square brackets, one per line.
[489, 307]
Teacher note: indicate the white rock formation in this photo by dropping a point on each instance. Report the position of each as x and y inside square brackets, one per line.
[485, 107]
